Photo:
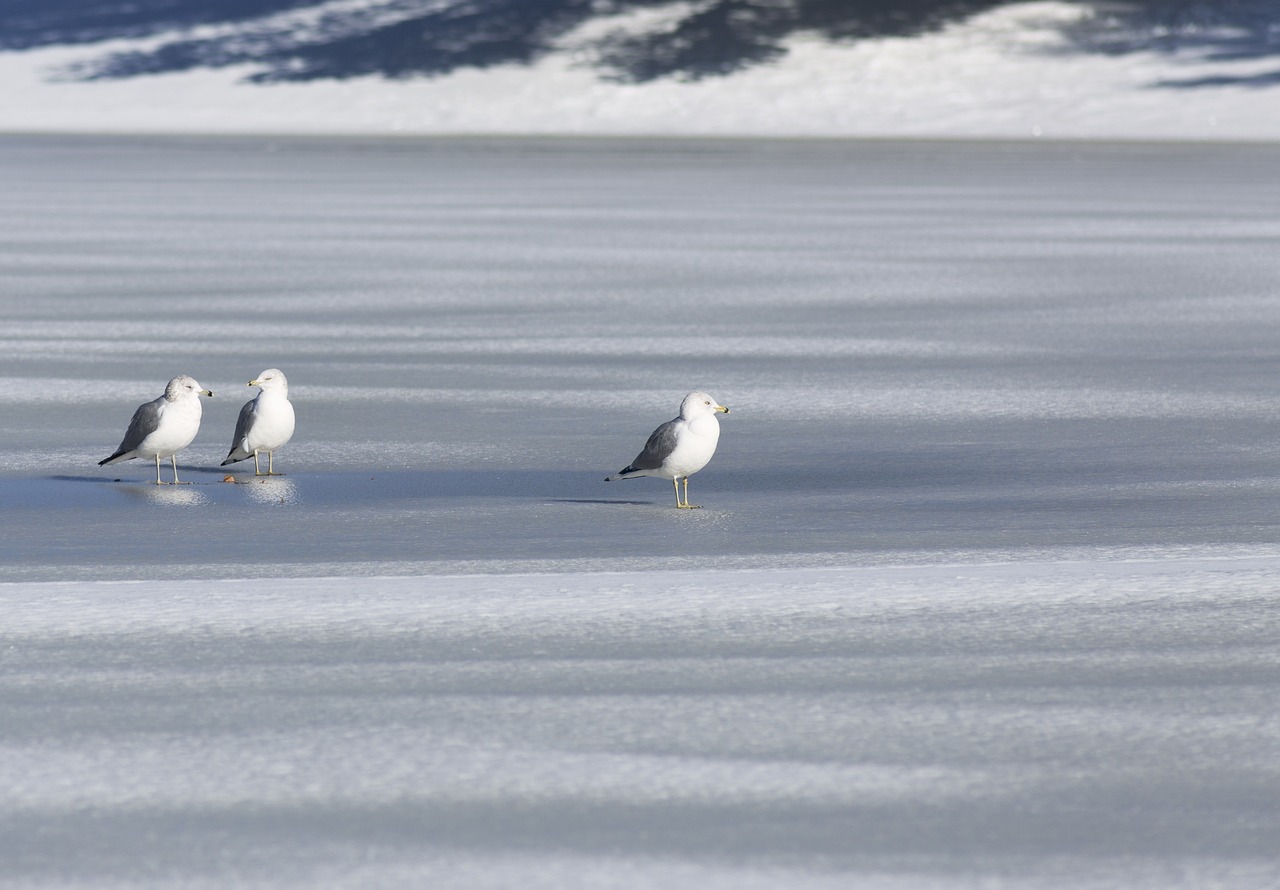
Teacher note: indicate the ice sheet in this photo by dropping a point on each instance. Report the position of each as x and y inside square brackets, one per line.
[1005, 617]
[996, 348]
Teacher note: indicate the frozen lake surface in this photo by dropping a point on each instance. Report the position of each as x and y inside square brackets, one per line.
[982, 593]
[928, 348]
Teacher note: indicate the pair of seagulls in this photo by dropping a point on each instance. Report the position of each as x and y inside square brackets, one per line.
[163, 427]
[676, 450]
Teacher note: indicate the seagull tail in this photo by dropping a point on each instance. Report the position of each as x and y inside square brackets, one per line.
[621, 474]
[115, 458]
[237, 453]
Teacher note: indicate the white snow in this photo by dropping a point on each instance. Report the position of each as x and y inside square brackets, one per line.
[1056, 724]
[1009, 72]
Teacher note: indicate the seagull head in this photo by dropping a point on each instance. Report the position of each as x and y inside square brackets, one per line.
[272, 378]
[183, 385]
[699, 403]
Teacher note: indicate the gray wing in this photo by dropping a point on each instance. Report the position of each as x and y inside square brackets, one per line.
[146, 420]
[657, 449]
[244, 423]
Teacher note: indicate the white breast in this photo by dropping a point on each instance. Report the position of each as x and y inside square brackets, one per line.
[179, 423]
[272, 423]
[696, 442]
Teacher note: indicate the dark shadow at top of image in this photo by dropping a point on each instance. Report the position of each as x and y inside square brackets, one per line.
[705, 40]
[1211, 33]
[1256, 81]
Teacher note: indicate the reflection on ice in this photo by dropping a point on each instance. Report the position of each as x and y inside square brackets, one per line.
[167, 495]
[271, 490]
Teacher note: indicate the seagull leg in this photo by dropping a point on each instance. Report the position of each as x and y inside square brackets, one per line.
[158, 482]
[271, 464]
[256, 471]
[174, 459]
[686, 505]
[676, 483]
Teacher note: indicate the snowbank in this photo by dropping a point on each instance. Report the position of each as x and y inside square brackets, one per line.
[1012, 72]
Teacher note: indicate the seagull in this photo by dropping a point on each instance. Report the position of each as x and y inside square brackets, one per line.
[680, 447]
[163, 427]
[265, 423]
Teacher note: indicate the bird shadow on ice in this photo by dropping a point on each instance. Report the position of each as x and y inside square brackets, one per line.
[658, 506]
[457, 485]
[320, 489]
[602, 501]
[145, 473]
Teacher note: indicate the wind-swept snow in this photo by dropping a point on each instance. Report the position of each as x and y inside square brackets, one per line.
[1041, 724]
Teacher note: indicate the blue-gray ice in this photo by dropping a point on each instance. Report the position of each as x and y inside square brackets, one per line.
[982, 592]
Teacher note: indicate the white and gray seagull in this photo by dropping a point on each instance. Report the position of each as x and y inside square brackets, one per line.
[681, 446]
[265, 422]
[163, 427]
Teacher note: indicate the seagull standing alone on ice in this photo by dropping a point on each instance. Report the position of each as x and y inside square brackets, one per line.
[680, 447]
[265, 423]
[163, 427]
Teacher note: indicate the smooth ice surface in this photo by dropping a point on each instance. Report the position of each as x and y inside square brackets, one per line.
[993, 348]
[1004, 617]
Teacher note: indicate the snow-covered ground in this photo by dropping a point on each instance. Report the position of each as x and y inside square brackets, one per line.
[982, 594]
[1036, 725]
[1023, 70]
